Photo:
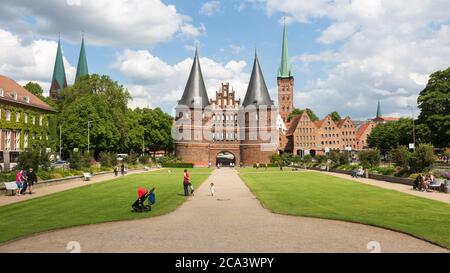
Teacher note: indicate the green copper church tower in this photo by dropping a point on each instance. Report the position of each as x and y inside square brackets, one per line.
[82, 67]
[59, 81]
[379, 114]
[285, 81]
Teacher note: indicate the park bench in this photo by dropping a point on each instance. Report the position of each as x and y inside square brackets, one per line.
[87, 176]
[323, 168]
[436, 184]
[11, 186]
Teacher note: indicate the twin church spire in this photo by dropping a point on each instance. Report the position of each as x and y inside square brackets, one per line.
[59, 80]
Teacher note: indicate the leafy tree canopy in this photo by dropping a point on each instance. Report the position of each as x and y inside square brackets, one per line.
[335, 116]
[297, 111]
[434, 103]
[389, 135]
[35, 89]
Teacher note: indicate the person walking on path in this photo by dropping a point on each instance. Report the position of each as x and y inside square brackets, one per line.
[186, 182]
[116, 171]
[122, 169]
[19, 182]
[31, 179]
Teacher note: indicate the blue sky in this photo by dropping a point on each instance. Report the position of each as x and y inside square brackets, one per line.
[346, 54]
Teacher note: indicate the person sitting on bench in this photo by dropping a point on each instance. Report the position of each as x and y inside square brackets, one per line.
[359, 172]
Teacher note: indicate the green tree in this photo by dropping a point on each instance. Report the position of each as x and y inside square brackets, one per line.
[423, 158]
[297, 111]
[434, 103]
[401, 156]
[157, 129]
[100, 101]
[335, 116]
[35, 89]
[369, 158]
[388, 136]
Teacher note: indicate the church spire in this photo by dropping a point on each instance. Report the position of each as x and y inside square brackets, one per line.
[195, 90]
[285, 70]
[59, 81]
[379, 114]
[257, 93]
[82, 68]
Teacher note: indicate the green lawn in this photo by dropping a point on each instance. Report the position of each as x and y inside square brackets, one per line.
[102, 202]
[320, 195]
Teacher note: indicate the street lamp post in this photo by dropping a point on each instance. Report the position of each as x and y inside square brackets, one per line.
[60, 142]
[89, 126]
[414, 127]
[143, 145]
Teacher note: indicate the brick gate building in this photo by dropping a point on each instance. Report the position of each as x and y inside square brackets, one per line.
[206, 130]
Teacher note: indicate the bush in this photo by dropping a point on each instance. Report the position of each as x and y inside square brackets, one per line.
[131, 159]
[307, 158]
[35, 159]
[144, 159]
[369, 158]
[108, 159]
[286, 159]
[422, 158]
[383, 170]
[339, 158]
[44, 175]
[321, 159]
[275, 158]
[78, 161]
[401, 156]
[348, 167]
[8, 177]
[168, 159]
[177, 165]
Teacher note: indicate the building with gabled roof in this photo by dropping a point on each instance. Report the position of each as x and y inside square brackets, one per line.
[24, 121]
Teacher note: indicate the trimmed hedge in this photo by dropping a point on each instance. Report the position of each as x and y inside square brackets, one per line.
[177, 165]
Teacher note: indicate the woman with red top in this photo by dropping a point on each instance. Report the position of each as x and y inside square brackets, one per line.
[186, 182]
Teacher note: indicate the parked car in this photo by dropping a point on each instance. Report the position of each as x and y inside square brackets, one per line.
[60, 164]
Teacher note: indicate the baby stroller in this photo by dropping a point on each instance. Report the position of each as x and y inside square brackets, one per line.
[139, 204]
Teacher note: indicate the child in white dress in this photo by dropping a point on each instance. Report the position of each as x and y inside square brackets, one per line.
[212, 189]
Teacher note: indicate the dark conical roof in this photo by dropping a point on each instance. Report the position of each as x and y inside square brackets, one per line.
[195, 90]
[257, 93]
[82, 67]
[59, 81]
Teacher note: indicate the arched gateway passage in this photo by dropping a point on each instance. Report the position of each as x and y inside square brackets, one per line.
[226, 159]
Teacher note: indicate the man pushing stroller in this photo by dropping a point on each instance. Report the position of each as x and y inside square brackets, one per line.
[144, 194]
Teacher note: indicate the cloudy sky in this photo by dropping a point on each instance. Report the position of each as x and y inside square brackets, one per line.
[346, 54]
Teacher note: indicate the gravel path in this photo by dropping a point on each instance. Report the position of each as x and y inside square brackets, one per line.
[231, 221]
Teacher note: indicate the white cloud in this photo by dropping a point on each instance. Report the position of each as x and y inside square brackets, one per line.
[153, 81]
[210, 7]
[237, 49]
[112, 23]
[32, 61]
[375, 49]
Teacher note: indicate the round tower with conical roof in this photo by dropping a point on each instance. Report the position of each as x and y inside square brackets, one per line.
[259, 134]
